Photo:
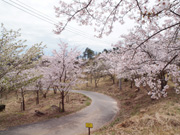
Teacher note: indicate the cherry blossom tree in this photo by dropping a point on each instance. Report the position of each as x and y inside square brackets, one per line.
[47, 81]
[151, 63]
[26, 80]
[15, 59]
[110, 63]
[95, 69]
[149, 53]
[63, 70]
[97, 72]
[87, 73]
[103, 14]
[37, 85]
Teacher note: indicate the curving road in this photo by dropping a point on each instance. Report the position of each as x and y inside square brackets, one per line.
[102, 110]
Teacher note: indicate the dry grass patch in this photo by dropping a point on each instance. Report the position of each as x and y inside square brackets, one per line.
[139, 114]
[159, 119]
[13, 116]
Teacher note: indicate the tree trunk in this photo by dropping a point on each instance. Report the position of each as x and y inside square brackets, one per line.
[62, 101]
[17, 97]
[95, 83]
[163, 81]
[37, 98]
[113, 79]
[23, 101]
[55, 91]
[87, 82]
[59, 106]
[131, 84]
[120, 84]
[23, 105]
[1, 93]
[91, 79]
[44, 95]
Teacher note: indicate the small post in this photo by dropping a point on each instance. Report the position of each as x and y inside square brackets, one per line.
[89, 125]
[89, 131]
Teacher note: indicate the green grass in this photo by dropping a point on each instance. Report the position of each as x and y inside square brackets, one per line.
[115, 122]
[88, 103]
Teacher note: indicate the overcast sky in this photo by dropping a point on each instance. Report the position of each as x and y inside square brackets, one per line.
[13, 14]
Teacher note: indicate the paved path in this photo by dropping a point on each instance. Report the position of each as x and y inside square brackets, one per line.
[102, 110]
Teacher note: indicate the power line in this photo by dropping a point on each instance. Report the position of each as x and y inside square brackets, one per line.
[53, 20]
[34, 9]
[31, 10]
[48, 16]
[42, 17]
[25, 11]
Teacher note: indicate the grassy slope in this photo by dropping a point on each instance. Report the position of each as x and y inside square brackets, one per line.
[12, 116]
[139, 115]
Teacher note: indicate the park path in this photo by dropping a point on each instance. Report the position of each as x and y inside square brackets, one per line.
[102, 110]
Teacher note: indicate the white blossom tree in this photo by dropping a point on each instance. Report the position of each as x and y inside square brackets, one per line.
[26, 81]
[110, 12]
[15, 59]
[151, 63]
[150, 52]
[110, 62]
[63, 70]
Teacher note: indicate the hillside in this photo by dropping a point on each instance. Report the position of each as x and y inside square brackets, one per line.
[139, 114]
